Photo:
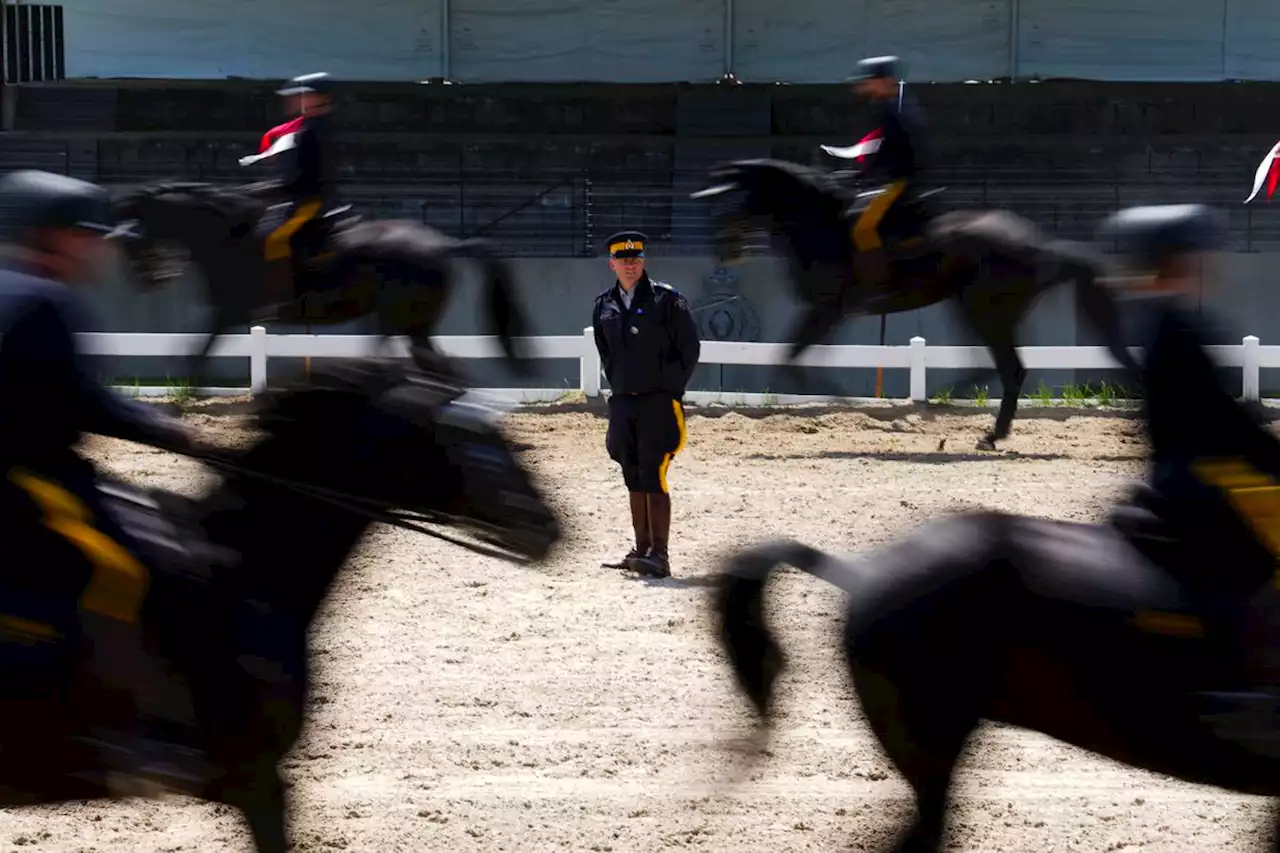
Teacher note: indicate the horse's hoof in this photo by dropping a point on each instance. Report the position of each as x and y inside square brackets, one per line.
[986, 444]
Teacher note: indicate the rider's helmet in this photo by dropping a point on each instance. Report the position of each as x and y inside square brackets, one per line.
[307, 84]
[1149, 236]
[31, 200]
[878, 68]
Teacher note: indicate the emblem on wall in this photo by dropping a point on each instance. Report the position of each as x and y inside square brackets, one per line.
[723, 313]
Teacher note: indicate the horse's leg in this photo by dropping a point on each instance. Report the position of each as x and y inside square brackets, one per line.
[198, 362]
[261, 796]
[923, 734]
[1100, 307]
[1012, 375]
[225, 317]
[818, 322]
[995, 322]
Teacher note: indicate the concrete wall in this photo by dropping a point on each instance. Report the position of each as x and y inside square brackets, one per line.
[558, 294]
[682, 40]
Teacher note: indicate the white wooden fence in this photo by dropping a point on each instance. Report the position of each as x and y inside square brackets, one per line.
[917, 357]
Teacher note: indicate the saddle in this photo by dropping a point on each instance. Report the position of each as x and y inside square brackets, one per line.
[905, 226]
[310, 256]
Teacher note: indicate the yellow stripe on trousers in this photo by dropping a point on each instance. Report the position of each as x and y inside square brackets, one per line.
[666, 459]
[277, 247]
[865, 230]
[119, 582]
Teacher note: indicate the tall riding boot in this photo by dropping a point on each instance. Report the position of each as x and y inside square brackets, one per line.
[137, 679]
[657, 563]
[640, 523]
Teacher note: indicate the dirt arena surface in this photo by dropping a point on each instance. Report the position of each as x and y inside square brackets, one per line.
[463, 704]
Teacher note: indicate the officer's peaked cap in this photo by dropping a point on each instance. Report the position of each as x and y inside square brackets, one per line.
[34, 199]
[626, 244]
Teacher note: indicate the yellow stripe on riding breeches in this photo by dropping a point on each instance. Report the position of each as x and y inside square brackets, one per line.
[118, 584]
[866, 233]
[666, 459]
[277, 246]
[1253, 495]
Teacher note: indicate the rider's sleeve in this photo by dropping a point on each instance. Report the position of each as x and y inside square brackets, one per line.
[65, 388]
[602, 344]
[1202, 409]
[303, 163]
[684, 333]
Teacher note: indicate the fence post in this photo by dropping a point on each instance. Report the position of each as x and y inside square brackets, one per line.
[1249, 368]
[257, 359]
[589, 364]
[919, 393]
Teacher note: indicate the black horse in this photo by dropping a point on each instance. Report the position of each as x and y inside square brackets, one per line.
[994, 263]
[244, 569]
[1057, 627]
[398, 271]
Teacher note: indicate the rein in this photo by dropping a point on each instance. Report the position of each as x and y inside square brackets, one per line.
[374, 510]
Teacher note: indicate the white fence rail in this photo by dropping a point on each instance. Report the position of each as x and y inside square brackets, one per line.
[917, 357]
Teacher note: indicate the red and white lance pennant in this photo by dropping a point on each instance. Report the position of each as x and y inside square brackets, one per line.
[868, 144]
[1268, 172]
[279, 138]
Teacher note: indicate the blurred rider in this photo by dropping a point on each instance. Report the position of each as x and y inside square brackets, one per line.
[58, 536]
[897, 162]
[306, 170]
[1211, 512]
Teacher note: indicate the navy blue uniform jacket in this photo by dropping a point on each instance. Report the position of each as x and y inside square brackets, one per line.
[651, 347]
[1192, 419]
[48, 396]
[901, 155]
[308, 171]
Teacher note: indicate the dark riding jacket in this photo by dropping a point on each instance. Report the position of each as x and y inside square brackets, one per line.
[49, 397]
[309, 171]
[902, 154]
[1193, 422]
[651, 347]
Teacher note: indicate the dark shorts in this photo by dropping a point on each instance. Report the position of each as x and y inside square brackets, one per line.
[645, 434]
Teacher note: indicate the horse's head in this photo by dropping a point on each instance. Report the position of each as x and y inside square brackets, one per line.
[386, 438]
[164, 225]
[770, 196]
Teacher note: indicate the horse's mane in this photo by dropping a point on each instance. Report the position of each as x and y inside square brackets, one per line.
[226, 202]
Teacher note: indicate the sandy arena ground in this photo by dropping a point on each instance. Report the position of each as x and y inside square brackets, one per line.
[463, 704]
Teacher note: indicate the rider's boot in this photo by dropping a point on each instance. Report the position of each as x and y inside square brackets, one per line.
[140, 750]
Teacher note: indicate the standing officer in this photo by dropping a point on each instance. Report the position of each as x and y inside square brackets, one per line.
[56, 530]
[648, 345]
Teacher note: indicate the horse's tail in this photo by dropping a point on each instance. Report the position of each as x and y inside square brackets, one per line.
[1086, 268]
[757, 660]
[508, 318]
